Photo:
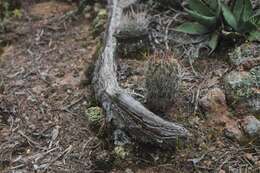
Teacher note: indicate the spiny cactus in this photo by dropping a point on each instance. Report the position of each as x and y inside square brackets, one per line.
[133, 24]
[163, 77]
[132, 33]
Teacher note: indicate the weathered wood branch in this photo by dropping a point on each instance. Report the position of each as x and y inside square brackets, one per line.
[123, 111]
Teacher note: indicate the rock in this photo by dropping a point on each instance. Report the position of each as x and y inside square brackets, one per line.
[216, 109]
[251, 126]
[243, 92]
[243, 87]
[214, 102]
[244, 52]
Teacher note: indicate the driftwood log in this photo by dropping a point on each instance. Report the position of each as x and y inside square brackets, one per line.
[123, 112]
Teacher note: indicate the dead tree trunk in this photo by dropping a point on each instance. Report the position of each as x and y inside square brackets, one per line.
[123, 111]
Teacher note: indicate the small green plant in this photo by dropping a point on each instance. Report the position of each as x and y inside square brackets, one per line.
[214, 18]
[95, 116]
[8, 9]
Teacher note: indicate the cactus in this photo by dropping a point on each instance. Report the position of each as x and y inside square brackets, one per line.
[132, 33]
[162, 81]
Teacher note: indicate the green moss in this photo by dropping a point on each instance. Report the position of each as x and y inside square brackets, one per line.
[95, 116]
[98, 24]
[121, 152]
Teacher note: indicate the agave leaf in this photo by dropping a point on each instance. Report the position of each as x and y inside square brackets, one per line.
[254, 36]
[200, 7]
[205, 20]
[257, 13]
[246, 27]
[192, 28]
[248, 10]
[255, 20]
[213, 4]
[213, 41]
[238, 9]
[229, 17]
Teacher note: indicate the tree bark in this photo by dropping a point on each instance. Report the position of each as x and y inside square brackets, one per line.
[122, 110]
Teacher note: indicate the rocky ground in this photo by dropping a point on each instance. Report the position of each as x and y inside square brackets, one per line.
[45, 68]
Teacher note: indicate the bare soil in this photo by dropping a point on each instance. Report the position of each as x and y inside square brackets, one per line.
[42, 102]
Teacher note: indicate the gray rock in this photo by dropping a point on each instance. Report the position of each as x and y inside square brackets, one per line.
[244, 52]
[243, 90]
[251, 126]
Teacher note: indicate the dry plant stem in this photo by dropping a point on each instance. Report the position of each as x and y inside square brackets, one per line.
[123, 111]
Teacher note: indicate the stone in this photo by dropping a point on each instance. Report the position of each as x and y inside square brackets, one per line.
[243, 86]
[216, 109]
[214, 102]
[251, 126]
[243, 91]
[244, 52]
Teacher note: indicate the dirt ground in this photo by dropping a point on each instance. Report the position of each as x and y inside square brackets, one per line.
[43, 127]
[42, 102]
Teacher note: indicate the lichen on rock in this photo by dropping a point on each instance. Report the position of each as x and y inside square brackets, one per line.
[243, 90]
[244, 52]
[251, 126]
[243, 85]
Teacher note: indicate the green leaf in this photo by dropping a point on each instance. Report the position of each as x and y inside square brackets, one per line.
[200, 7]
[229, 17]
[205, 20]
[246, 27]
[256, 18]
[213, 42]
[254, 36]
[248, 10]
[238, 9]
[213, 4]
[192, 28]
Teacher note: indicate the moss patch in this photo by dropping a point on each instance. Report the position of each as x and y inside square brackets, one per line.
[95, 116]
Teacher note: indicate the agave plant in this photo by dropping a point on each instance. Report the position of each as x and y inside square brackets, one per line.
[242, 19]
[214, 17]
[207, 17]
